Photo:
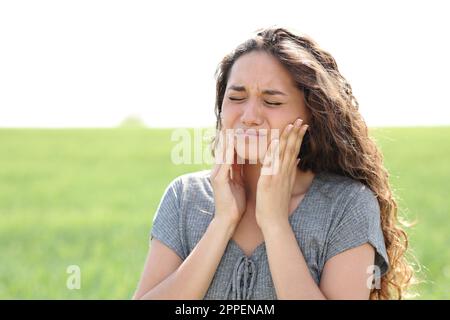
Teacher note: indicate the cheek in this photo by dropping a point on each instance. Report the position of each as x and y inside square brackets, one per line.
[280, 118]
[229, 116]
[277, 120]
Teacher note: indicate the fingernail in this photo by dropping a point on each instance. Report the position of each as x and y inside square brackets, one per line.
[289, 128]
[298, 122]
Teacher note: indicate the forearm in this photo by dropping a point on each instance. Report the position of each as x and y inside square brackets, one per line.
[193, 277]
[288, 267]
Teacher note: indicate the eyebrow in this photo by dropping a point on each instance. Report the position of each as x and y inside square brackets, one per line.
[271, 92]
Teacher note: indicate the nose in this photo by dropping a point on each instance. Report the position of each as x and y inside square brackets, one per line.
[251, 115]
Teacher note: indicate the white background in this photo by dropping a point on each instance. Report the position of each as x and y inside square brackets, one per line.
[93, 63]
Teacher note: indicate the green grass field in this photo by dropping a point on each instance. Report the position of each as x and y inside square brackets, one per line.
[87, 197]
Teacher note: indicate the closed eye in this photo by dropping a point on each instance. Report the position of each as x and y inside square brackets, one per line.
[270, 103]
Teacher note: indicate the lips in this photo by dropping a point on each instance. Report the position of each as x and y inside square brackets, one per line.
[251, 132]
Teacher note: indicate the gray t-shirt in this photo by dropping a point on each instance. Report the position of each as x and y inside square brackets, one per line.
[336, 214]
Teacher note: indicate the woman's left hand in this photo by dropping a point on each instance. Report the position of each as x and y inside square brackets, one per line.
[275, 184]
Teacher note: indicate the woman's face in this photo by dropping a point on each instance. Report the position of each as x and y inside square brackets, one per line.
[260, 94]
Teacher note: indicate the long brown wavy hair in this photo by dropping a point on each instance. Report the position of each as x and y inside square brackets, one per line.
[337, 140]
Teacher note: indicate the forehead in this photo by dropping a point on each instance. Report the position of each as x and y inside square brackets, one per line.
[260, 69]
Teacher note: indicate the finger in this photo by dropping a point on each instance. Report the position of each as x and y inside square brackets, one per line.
[218, 153]
[284, 138]
[294, 145]
[271, 160]
[291, 144]
[236, 170]
[215, 170]
[219, 148]
[224, 171]
[298, 145]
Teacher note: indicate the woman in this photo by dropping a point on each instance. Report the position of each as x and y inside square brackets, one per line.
[320, 225]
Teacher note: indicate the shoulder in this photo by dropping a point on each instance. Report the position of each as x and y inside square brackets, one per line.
[343, 191]
[192, 180]
[349, 205]
[195, 209]
[342, 199]
[196, 177]
[354, 218]
[192, 185]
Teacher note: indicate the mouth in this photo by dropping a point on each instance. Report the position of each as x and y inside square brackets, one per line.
[251, 132]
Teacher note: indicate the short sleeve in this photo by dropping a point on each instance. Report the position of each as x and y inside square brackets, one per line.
[359, 224]
[166, 221]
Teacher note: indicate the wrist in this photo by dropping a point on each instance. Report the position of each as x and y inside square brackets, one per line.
[224, 225]
[274, 226]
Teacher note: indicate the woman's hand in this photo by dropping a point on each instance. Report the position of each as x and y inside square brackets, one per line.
[227, 182]
[275, 184]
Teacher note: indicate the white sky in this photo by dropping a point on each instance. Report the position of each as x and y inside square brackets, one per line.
[92, 63]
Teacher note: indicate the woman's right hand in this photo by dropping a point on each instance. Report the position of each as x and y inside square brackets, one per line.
[227, 181]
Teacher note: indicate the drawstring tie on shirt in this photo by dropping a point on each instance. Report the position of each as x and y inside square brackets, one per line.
[242, 290]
